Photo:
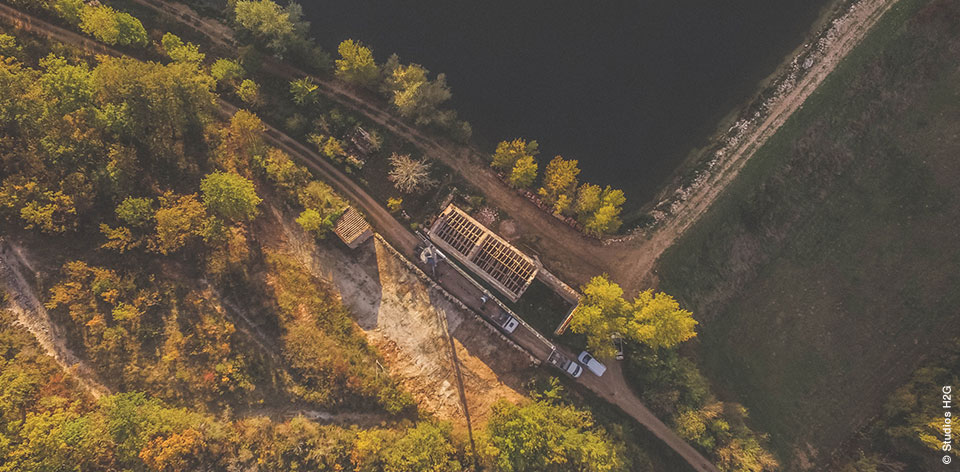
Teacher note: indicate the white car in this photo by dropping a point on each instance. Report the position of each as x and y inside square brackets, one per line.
[559, 361]
[592, 363]
[505, 321]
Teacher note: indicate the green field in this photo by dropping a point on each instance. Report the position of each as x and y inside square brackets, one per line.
[829, 269]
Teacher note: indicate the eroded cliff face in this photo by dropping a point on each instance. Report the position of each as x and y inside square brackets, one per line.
[431, 343]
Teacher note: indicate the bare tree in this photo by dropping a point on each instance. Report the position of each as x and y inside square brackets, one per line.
[410, 175]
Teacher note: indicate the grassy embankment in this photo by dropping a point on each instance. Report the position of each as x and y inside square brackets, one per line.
[827, 270]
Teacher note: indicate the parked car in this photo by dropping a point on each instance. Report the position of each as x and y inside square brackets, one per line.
[592, 363]
[561, 362]
[618, 345]
[505, 321]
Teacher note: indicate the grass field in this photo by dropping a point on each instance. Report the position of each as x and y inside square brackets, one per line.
[829, 268]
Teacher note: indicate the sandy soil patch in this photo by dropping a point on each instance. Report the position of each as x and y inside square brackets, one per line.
[412, 323]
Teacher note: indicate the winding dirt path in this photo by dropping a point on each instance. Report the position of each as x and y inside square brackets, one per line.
[630, 262]
[33, 316]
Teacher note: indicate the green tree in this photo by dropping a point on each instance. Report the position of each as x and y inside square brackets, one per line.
[69, 10]
[180, 219]
[415, 96]
[321, 197]
[304, 91]
[227, 71]
[658, 321]
[652, 319]
[136, 212]
[541, 436]
[249, 92]
[426, 447]
[284, 173]
[356, 64]
[277, 28]
[560, 183]
[313, 222]
[69, 87]
[524, 172]
[509, 152]
[9, 46]
[139, 106]
[113, 27]
[179, 51]
[600, 211]
[240, 143]
[230, 196]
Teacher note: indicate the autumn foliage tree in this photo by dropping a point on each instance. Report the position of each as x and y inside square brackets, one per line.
[545, 436]
[654, 319]
[560, 183]
[518, 159]
[509, 152]
[524, 172]
[180, 51]
[356, 65]
[278, 29]
[230, 196]
[414, 95]
[599, 210]
[112, 27]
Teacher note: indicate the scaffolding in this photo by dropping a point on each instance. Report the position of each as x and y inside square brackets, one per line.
[494, 259]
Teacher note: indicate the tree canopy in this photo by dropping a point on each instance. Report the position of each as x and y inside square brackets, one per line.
[279, 29]
[356, 64]
[599, 210]
[542, 436]
[179, 51]
[654, 319]
[508, 153]
[113, 27]
[230, 196]
[560, 183]
[524, 172]
[414, 95]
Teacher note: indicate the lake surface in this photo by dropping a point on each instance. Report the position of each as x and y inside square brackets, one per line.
[627, 88]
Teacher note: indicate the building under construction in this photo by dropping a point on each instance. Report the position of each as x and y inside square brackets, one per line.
[491, 257]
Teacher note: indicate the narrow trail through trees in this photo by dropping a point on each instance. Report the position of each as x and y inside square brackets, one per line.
[33, 316]
[578, 257]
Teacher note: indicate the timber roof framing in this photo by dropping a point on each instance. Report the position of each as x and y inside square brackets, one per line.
[352, 229]
[482, 251]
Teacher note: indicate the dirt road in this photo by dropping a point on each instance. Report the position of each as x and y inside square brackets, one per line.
[567, 251]
[384, 222]
[564, 250]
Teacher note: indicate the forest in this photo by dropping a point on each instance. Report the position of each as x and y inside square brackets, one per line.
[153, 195]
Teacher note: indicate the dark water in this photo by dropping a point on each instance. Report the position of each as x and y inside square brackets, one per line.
[627, 88]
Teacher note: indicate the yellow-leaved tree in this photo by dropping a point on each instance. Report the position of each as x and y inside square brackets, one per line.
[654, 319]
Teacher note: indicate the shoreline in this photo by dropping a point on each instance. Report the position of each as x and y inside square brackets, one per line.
[695, 155]
[706, 166]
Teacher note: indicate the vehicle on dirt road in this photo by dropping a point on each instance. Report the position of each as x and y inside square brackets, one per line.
[505, 321]
[618, 345]
[592, 363]
[561, 362]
